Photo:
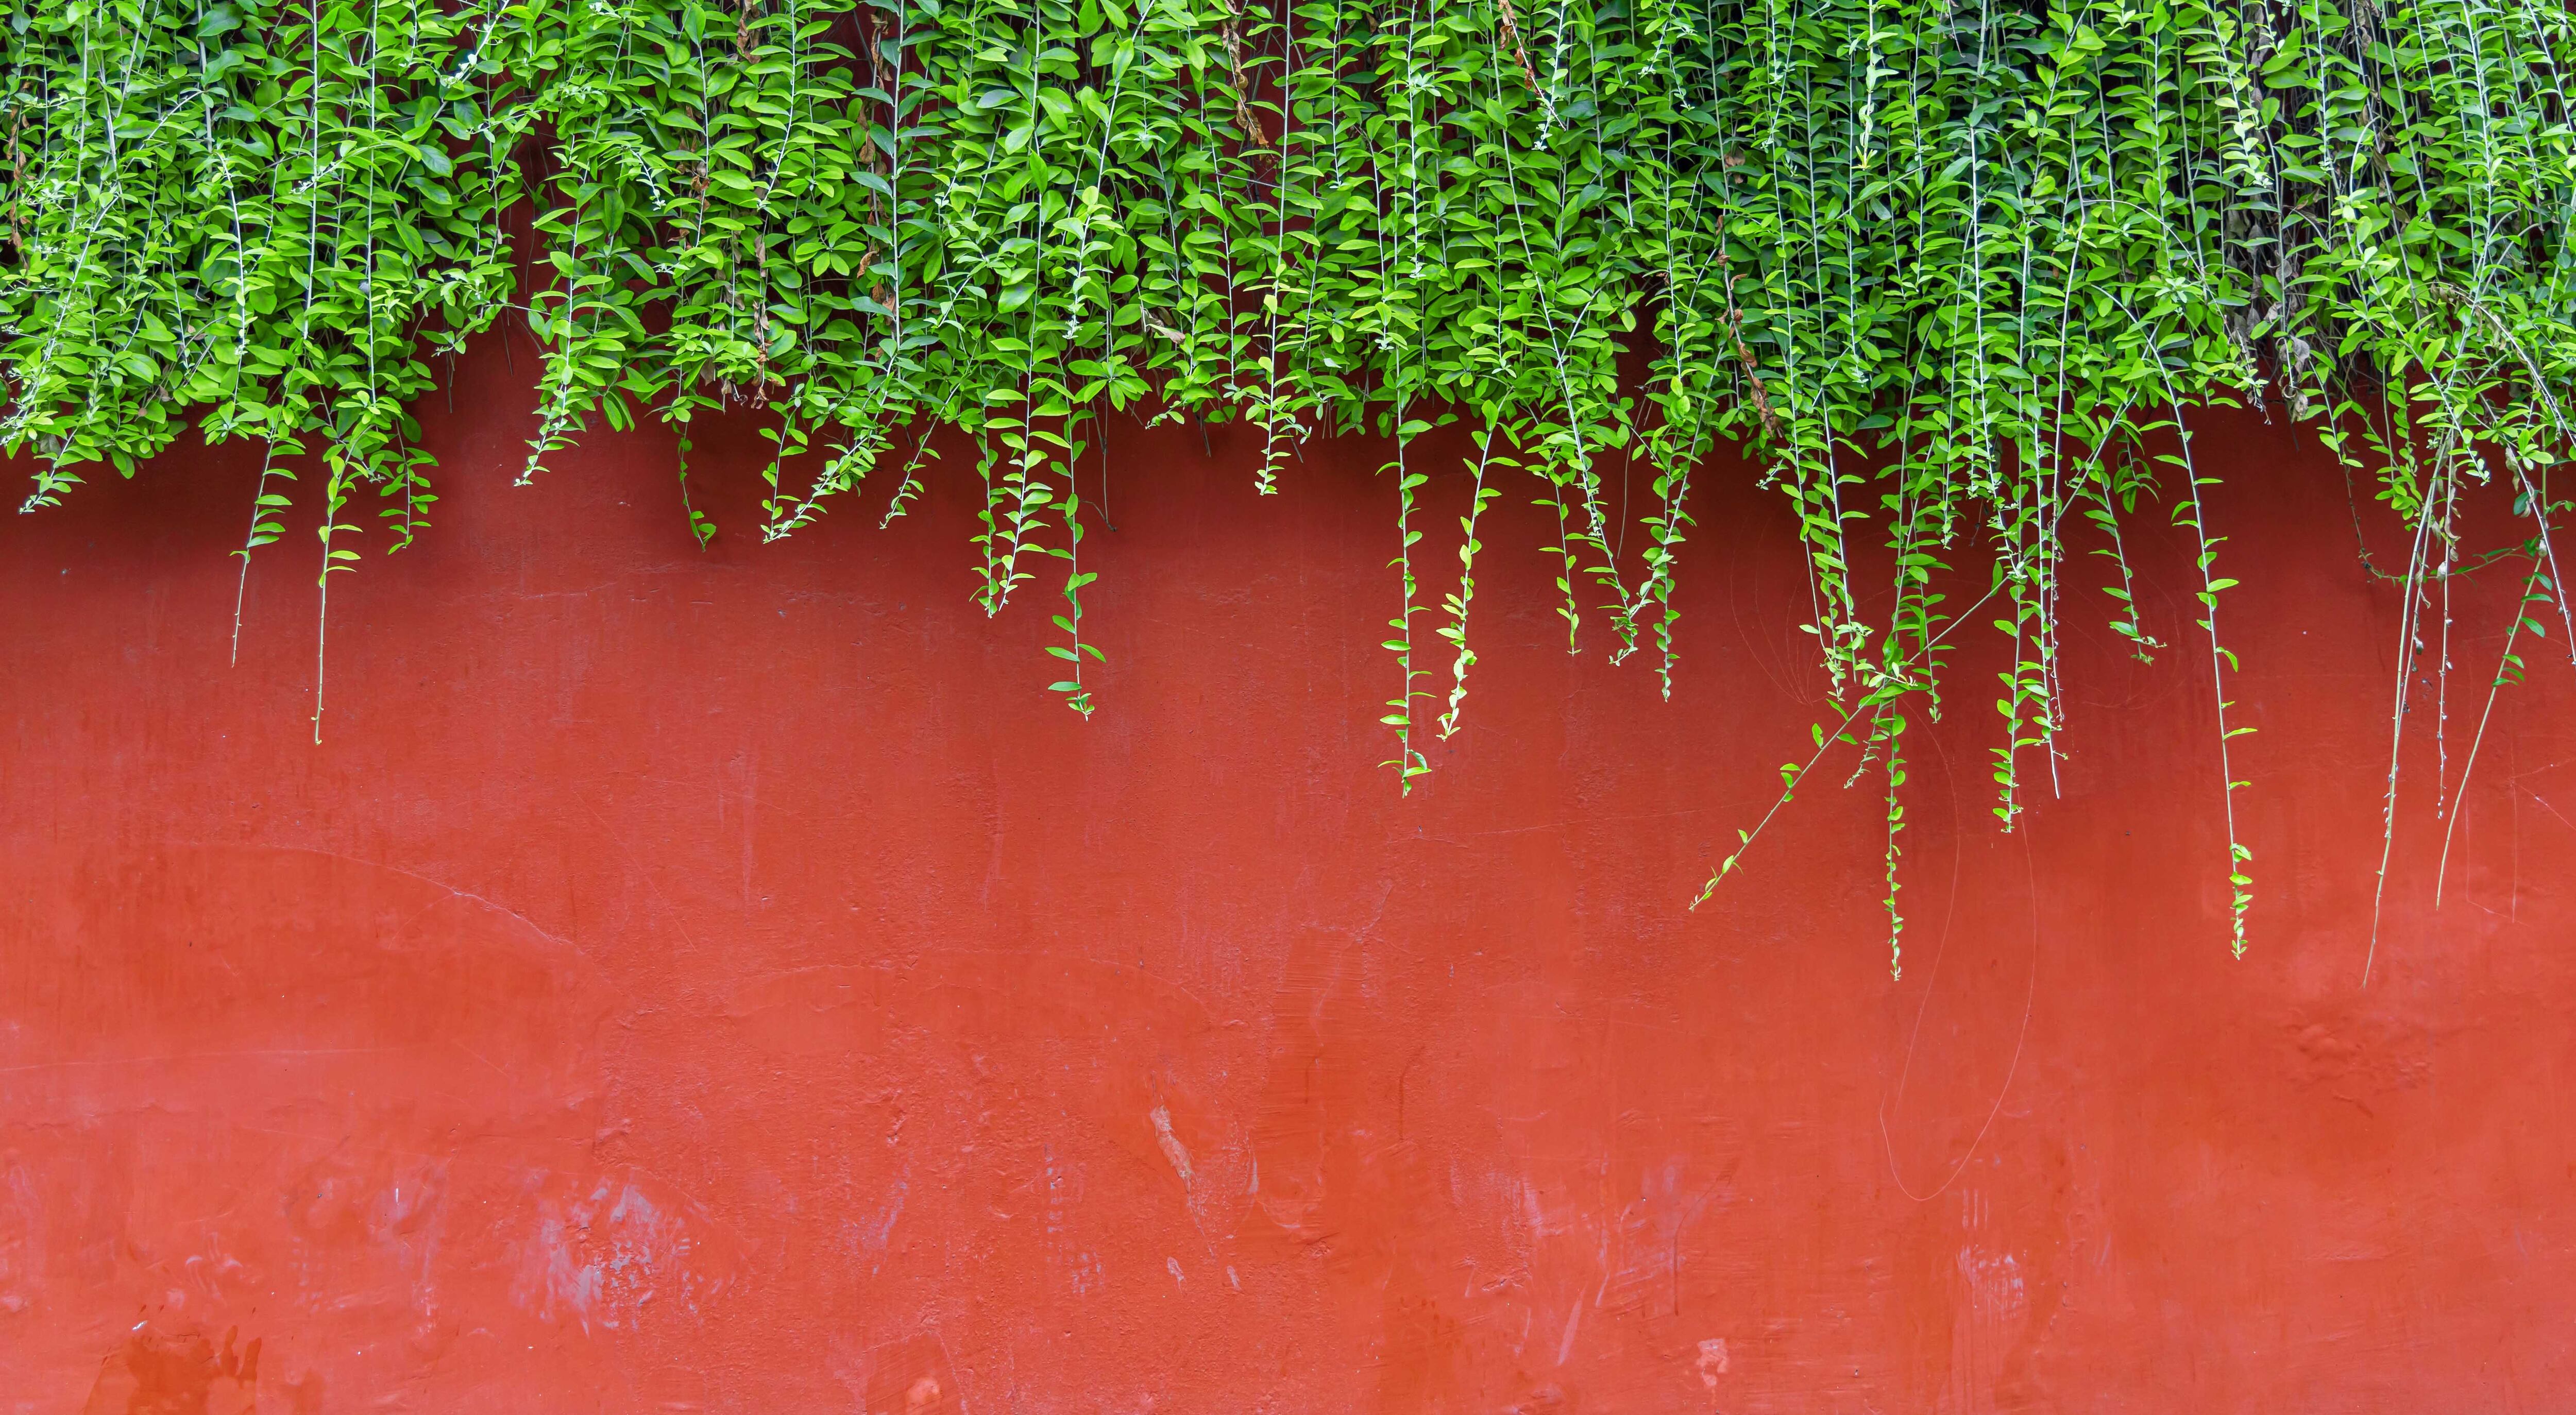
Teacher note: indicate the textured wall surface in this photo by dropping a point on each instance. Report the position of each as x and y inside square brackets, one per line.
[729, 982]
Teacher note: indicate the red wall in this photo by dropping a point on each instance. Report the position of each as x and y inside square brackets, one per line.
[729, 982]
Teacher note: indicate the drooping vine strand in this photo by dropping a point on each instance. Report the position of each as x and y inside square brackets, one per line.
[1925, 266]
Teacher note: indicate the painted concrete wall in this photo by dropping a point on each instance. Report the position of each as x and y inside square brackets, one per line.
[729, 982]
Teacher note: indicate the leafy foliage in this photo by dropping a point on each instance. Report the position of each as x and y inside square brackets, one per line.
[1958, 275]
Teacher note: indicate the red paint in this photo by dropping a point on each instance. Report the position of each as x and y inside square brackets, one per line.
[729, 981]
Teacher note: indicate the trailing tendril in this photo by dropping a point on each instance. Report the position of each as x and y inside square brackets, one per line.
[1949, 277]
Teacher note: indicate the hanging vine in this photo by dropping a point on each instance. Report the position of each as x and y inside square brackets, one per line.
[1953, 277]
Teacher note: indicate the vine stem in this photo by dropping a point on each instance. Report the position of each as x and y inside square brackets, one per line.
[2544, 570]
[1464, 600]
[2408, 623]
[1745, 839]
[2538, 497]
[334, 496]
[2460, 796]
[254, 540]
[2238, 882]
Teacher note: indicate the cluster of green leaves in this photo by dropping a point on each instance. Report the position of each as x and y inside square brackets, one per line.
[1957, 276]
[272, 218]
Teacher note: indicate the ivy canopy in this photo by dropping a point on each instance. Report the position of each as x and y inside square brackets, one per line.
[1940, 265]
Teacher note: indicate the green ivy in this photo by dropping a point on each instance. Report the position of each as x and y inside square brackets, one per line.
[1957, 276]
